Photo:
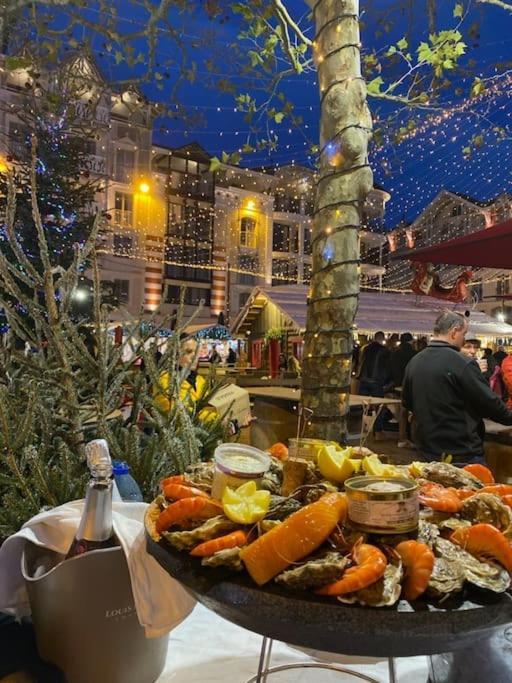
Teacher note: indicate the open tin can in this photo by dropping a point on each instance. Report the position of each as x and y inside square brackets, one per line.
[383, 505]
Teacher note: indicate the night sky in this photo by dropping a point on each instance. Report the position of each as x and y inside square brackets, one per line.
[413, 171]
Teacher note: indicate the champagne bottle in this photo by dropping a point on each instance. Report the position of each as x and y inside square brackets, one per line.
[95, 528]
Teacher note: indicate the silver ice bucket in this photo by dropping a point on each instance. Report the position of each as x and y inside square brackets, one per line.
[84, 617]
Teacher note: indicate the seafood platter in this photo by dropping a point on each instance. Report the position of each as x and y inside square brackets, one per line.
[274, 542]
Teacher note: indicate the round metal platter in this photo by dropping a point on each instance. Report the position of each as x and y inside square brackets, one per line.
[306, 620]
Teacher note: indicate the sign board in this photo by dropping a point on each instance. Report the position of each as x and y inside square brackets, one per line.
[235, 401]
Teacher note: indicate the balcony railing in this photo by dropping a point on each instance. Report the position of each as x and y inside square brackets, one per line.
[123, 218]
[96, 164]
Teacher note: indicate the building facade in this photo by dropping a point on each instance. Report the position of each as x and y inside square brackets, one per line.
[170, 223]
[451, 215]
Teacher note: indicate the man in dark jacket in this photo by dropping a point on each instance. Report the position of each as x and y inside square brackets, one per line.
[375, 373]
[449, 396]
[400, 358]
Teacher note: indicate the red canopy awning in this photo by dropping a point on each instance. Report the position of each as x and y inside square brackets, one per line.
[489, 248]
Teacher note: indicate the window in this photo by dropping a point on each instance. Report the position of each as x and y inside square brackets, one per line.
[184, 255]
[123, 214]
[307, 273]
[125, 164]
[193, 295]
[284, 272]
[247, 263]
[248, 232]
[285, 238]
[122, 290]
[122, 244]
[308, 234]
[457, 210]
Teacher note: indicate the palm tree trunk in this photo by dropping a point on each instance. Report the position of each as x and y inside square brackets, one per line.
[345, 180]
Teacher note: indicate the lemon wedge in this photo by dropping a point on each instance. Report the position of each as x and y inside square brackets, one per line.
[335, 465]
[246, 504]
[373, 466]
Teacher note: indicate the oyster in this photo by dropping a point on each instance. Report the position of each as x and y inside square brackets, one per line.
[267, 524]
[216, 526]
[273, 479]
[318, 571]
[201, 475]
[453, 523]
[383, 593]
[482, 574]
[427, 532]
[229, 558]
[313, 475]
[449, 475]
[488, 509]
[281, 507]
[315, 491]
[447, 578]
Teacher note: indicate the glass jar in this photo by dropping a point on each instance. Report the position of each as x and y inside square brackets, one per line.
[236, 464]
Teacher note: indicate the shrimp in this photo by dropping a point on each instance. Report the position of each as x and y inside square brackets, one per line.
[439, 498]
[507, 500]
[176, 479]
[418, 560]
[371, 564]
[480, 472]
[233, 540]
[497, 489]
[279, 450]
[484, 540]
[462, 494]
[179, 491]
[186, 509]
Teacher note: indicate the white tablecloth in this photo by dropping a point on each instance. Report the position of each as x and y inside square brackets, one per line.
[208, 649]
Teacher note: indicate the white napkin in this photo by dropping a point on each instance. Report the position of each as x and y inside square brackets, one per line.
[160, 601]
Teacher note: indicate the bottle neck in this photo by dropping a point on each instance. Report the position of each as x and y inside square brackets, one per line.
[96, 521]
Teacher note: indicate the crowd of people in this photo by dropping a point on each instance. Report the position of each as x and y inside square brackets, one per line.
[447, 394]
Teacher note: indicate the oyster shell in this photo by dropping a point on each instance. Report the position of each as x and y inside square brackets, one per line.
[213, 527]
[229, 558]
[447, 578]
[482, 574]
[267, 524]
[272, 480]
[449, 475]
[281, 507]
[315, 491]
[427, 532]
[201, 475]
[318, 571]
[453, 523]
[488, 509]
[383, 593]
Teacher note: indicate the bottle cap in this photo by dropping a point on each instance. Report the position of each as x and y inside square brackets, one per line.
[120, 467]
[98, 458]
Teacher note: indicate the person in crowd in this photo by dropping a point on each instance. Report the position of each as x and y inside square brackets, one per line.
[231, 359]
[393, 341]
[214, 358]
[283, 363]
[293, 364]
[400, 358]
[421, 344]
[506, 375]
[193, 386]
[500, 355]
[375, 374]
[448, 396]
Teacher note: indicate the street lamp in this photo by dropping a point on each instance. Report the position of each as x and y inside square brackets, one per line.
[144, 187]
[80, 295]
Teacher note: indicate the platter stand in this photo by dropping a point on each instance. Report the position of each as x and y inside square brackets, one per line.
[265, 670]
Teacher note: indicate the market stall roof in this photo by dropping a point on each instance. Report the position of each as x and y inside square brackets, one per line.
[489, 248]
[384, 311]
